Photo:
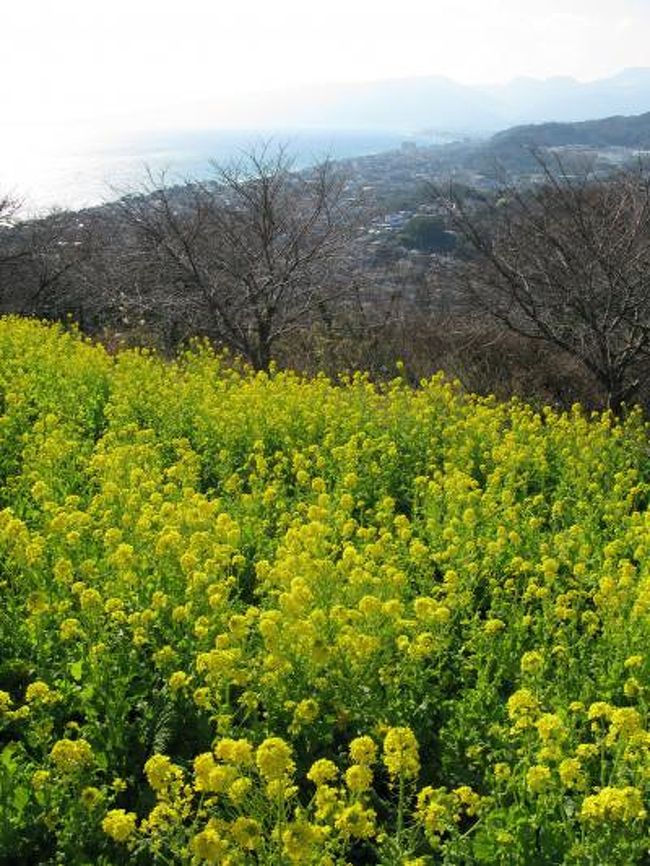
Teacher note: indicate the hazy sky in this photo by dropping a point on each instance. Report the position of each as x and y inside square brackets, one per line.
[65, 60]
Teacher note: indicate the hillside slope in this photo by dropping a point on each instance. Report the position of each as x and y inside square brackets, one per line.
[264, 619]
[619, 131]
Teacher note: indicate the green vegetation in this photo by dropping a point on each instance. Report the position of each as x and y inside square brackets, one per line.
[620, 131]
[255, 618]
[428, 234]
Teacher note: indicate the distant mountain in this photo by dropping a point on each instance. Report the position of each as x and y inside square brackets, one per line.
[438, 103]
[406, 104]
[632, 132]
[528, 100]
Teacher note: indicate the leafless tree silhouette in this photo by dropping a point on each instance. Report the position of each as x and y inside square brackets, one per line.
[568, 262]
[249, 256]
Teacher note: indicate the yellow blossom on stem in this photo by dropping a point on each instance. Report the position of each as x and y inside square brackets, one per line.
[69, 756]
[363, 751]
[119, 825]
[611, 805]
[401, 753]
[274, 759]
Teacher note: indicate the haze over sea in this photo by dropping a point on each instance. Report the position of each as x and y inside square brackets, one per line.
[79, 171]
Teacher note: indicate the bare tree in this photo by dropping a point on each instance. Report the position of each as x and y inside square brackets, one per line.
[38, 259]
[568, 262]
[9, 207]
[250, 256]
[12, 253]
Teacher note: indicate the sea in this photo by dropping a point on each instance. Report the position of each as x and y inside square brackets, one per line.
[50, 171]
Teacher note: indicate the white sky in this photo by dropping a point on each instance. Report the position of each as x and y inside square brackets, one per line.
[108, 61]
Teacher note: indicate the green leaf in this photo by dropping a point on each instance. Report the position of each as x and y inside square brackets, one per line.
[7, 757]
[76, 670]
[21, 798]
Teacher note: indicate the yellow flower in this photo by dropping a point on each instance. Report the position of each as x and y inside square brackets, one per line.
[179, 680]
[299, 840]
[273, 758]
[586, 751]
[90, 797]
[523, 707]
[531, 662]
[5, 701]
[40, 779]
[281, 788]
[161, 818]
[209, 846]
[203, 766]
[435, 811]
[356, 821]
[40, 693]
[493, 626]
[550, 566]
[305, 713]
[239, 790]
[247, 833]
[549, 753]
[538, 778]
[469, 799]
[237, 752]
[322, 771]
[90, 600]
[161, 773]
[631, 687]
[71, 629]
[69, 756]
[113, 604]
[611, 805]
[624, 722]
[201, 697]
[327, 802]
[599, 710]
[549, 726]
[570, 773]
[424, 607]
[363, 751]
[165, 656]
[180, 613]
[401, 753]
[119, 825]
[358, 778]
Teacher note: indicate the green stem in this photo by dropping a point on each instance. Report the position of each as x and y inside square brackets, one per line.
[280, 824]
[400, 812]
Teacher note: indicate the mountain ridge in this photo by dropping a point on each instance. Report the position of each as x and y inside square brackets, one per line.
[632, 131]
[436, 101]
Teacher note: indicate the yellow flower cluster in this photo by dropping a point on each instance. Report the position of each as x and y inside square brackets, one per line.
[161, 773]
[119, 825]
[538, 778]
[315, 621]
[611, 805]
[439, 810]
[401, 753]
[40, 693]
[274, 760]
[523, 708]
[70, 756]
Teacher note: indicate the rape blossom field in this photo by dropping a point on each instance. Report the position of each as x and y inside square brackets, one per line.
[260, 619]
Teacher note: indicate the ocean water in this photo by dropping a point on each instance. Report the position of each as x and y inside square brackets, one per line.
[74, 174]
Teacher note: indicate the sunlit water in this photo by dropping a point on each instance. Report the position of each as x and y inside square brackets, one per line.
[46, 168]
